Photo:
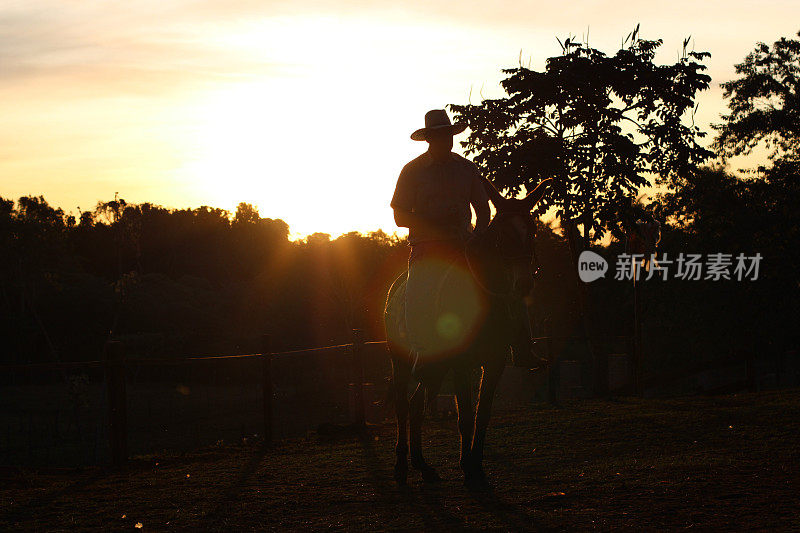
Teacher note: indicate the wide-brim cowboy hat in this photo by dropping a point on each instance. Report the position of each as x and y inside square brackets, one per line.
[437, 120]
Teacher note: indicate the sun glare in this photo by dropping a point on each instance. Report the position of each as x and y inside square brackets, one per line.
[323, 132]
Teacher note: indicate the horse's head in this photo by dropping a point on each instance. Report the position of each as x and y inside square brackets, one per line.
[508, 243]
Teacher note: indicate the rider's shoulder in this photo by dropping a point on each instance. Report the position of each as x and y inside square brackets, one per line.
[463, 162]
[417, 163]
[424, 160]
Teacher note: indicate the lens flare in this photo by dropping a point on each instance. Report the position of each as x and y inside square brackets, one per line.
[438, 311]
[449, 326]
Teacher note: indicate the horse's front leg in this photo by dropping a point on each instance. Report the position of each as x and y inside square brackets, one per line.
[430, 388]
[490, 377]
[466, 419]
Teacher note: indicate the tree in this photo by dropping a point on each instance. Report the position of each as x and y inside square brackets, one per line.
[764, 103]
[246, 214]
[600, 125]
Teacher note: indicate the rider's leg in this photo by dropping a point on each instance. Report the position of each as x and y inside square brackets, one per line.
[419, 306]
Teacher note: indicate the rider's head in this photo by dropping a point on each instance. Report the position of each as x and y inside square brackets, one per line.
[439, 132]
[440, 142]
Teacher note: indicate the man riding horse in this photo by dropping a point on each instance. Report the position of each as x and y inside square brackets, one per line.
[459, 306]
[432, 199]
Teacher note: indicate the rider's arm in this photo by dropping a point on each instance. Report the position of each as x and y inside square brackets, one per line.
[403, 200]
[404, 206]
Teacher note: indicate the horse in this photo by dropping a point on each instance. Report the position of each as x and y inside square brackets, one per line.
[499, 267]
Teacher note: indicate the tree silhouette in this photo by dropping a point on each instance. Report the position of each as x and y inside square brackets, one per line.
[600, 125]
[764, 103]
[246, 214]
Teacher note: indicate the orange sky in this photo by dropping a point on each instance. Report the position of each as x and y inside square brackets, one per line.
[302, 108]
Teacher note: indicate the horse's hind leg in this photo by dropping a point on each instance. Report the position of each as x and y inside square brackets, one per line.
[489, 380]
[401, 372]
[431, 387]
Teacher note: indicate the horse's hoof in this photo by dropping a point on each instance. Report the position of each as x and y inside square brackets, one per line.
[401, 474]
[429, 475]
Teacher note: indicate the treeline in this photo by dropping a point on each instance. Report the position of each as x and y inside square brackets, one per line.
[177, 282]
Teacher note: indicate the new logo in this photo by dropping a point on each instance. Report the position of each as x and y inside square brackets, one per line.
[591, 266]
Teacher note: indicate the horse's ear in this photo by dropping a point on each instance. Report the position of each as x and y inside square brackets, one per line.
[530, 201]
[494, 195]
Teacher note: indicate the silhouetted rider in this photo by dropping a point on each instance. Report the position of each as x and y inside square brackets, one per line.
[432, 199]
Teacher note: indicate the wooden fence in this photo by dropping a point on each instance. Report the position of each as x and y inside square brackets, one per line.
[115, 364]
[637, 381]
[736, 357]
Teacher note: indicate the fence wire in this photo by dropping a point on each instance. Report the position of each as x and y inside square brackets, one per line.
[59, 417]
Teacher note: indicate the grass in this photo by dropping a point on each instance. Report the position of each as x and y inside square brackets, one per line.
[717, 463]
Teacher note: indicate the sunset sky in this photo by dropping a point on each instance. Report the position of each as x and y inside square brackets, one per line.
[303, 108]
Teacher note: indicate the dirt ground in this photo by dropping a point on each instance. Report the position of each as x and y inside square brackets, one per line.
[721, 463]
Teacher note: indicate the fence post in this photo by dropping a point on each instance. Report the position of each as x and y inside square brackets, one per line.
[630, 350]
[785, 355]
[358, 376]
[602, 355]
[749, 356]
[552, 378]
[114, 359]
[638, 385]
[266, 385]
